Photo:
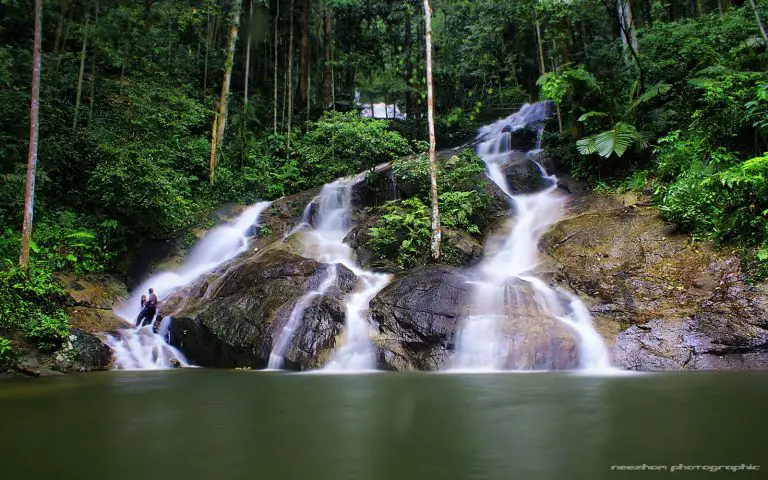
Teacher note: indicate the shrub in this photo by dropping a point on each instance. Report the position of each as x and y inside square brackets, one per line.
[340, 144]
[7, 354]
[48, 331]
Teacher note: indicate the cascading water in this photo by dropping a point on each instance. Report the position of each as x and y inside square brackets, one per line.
[505, 277]
[142, 348]
[331, 222]
[276, 356]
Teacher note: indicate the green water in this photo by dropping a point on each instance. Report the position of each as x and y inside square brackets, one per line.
[205, 424]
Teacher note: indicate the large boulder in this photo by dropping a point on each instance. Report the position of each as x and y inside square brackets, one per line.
[416, 317]
[421, 315]
[661, 302]
[234, 317]
[91, 300]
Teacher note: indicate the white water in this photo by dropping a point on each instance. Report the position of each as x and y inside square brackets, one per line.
[286, 335]
[325, 243]
[481, 345]
[141, 348]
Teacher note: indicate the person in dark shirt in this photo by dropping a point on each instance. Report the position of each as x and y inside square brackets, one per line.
[149, 307]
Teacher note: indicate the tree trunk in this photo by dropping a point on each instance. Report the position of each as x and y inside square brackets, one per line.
[63, 43]
[290, 75]
[82, 67]
[91, 100]
[34, 123]
[408, 64]
[327, 81]
[222, 116]
[274, 98]
[304, 74]
[627, 22]
[208, 41]
[699, 8]
[540, 45]
[436, 232]
[248, 54]
[760, 22]
[60, 24]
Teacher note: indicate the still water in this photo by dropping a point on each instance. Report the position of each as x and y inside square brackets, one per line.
[207, 424]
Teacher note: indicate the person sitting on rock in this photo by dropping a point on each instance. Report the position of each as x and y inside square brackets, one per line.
[148, 310]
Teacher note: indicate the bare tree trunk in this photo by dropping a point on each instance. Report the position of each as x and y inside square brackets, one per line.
[82, 67]
[34, 123]
[92, 97]
[208, 41]
[699, 8]
[274, 98]
[60, 25]
[304, 72]
[436, 231]
[760, 22]
[248, 54]
[327, 27]
[539, 43]
[290, 74]
[627, 22]
[222, 116]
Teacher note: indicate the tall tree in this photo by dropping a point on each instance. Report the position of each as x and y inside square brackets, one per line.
[327, 43]
[304, 72]
[82, 65]
[289, 82]
[248, 54]
[221, 117]
[34, 125]
[274, 84]
[436, 231]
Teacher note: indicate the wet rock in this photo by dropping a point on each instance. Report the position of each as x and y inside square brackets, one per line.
[233, 318]
[416, 316]
[661, 302]
[80, 352]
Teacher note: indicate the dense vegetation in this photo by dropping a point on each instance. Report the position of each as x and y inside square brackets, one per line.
[665, 95]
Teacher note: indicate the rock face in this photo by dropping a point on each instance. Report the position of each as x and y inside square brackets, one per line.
[661, 302]
[233, 318]
[92, 298]
[419, 315]
[416, 316]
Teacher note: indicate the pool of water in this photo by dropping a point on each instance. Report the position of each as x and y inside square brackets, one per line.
[208, 424]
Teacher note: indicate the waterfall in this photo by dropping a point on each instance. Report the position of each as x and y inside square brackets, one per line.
[276, 356]
[505, 281]
[323, 240]
[142, 348]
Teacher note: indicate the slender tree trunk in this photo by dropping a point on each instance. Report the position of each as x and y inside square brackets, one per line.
[63, 43]
[290, 74]
[436, 231]
[91, 99]
[248, 54]
[274, 98]
[34, 123]
[760, 24]
[540, 45]
[208, 41]
[627, 22]
[327, 26]
[60, 25]
[304, 73]
[408, 63]
[222, 116]
[699, 8]
[82, 67]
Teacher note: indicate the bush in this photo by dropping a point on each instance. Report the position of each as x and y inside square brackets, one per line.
[7, 355]
[48, 331]
[341, 144]
[403, 231]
